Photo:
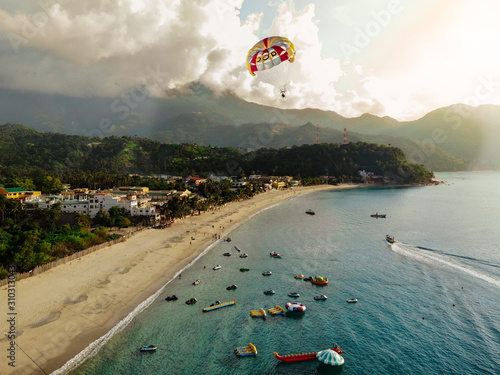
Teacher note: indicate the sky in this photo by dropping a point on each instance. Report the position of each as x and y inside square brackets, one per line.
[397, 58]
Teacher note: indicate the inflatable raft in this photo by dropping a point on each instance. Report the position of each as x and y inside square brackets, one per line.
[258, 313]
[302, 356]
[277, 310]
[320, 280]
[245, 351]
[295, 307]
[218, 306]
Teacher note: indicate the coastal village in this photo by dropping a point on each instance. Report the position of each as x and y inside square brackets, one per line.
[138, 201]
[141, 202]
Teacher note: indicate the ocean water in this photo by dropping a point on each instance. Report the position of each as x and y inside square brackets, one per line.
[428, 304]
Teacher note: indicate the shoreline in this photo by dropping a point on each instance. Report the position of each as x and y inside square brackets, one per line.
[64, 310]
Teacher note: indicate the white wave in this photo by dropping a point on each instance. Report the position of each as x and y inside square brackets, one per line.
[420, 255]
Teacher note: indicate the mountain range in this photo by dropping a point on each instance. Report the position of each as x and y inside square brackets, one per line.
[457, 137]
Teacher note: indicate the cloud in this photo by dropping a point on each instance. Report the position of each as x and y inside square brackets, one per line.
[104, 48]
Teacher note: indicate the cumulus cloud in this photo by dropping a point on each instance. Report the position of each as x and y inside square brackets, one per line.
[102, 48]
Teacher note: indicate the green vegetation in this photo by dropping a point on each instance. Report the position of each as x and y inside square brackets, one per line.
[39, 238]
[49, 159]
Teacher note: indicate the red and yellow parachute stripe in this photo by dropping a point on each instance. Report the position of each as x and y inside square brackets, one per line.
[270, 52]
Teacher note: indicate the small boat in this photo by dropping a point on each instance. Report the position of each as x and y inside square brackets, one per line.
[295, 307]
[245, 351]
[191, 301]
[258, 313]
[299, 276]
[218, 305]
[302, 356]
[293, 295]
[320, 280]
[217, 267]
[227, 239]
[352, 300]
[196, 282]
[269, 292]
[310, 212]
[172, 298]
[231, 287]
[237, 248]
[390, 239]
[320, 297]
[276, 310]
[308, 278]
[377, 215]
[148, 348]
[267, 273]
[244, 255]
[227, 254]
[244, 269]
[274, 254]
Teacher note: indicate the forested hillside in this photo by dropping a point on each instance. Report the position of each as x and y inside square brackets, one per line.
[26, 152]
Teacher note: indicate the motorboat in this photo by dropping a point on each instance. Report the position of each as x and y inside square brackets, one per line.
[299, 276]
[352, 300]
[191, 301]
[274, 254]
[244, 255]
[217, 267]
[231, 287]
[227, 254]
[148, 348]
[320, 297]
[267, 273]
[172, 298]
[269, 292]
[377, 215]
[390, 239]
[196, 282]
[310, 212]
[293, 295]
[244, 269]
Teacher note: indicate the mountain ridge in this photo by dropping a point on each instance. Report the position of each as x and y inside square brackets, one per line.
[462, 137]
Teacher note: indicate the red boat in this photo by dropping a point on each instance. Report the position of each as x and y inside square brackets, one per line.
[302, 356]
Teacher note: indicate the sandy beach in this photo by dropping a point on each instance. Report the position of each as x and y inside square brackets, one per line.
[60, 312]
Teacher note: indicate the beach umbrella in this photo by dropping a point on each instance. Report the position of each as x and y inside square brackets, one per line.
[330, 357]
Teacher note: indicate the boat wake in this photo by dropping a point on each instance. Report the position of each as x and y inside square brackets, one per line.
[432, 256]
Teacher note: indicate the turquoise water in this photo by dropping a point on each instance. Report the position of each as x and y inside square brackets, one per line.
[429, 304]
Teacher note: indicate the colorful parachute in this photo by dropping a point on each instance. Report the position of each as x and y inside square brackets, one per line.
[270, 52]
[270, 59]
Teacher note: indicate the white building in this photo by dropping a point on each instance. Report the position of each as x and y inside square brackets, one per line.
[75, 207]
[103, 201]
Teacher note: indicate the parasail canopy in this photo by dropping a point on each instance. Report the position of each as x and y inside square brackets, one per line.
[270, 52]
[270, 60]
